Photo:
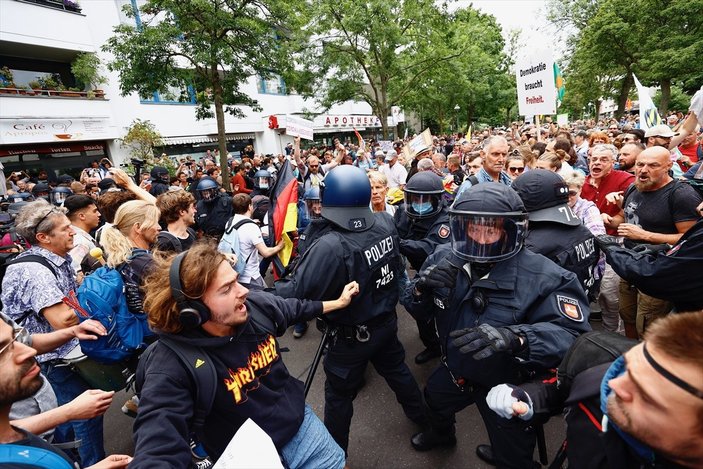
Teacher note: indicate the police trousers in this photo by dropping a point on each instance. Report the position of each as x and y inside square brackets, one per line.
[513, 440]
[345, 364]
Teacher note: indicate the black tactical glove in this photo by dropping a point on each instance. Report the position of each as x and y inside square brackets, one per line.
[486, 340]
[607, 242]
[441, 275]
[654, 249]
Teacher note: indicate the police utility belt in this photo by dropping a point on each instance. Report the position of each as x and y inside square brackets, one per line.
[360, 332]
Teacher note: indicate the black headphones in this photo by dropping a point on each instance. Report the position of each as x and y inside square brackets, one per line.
[191, 312]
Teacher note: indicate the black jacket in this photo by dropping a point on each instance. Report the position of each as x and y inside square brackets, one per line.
[254, 383]
[420, 237]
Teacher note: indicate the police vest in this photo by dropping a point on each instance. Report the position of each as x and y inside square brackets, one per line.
[212, 217]
[372, 258]
[573, 248]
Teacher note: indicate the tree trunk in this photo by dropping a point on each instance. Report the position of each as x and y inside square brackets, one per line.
[469, 118]
[218, 93]
[625, 87]
[666, 96]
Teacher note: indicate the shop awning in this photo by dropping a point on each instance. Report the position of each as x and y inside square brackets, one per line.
[188, 140]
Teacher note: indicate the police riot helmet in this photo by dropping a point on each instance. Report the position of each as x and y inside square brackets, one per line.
[262, 180]
[423, 195]
[312, 201]
[546, 197]
[159, 174]
[488, 223]
[59, 195]
[346, 198]
[41, 191]
[207, 189]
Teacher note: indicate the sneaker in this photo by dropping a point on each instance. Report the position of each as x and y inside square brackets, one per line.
[300, 329]
[131, 406]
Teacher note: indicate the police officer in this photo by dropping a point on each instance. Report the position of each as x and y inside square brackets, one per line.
[555, 231]
[263, 181]
[159, 181]
[363, 246]
[41, 190]
[503, 314]
[59, 194]
[214, 209]
[422, 225]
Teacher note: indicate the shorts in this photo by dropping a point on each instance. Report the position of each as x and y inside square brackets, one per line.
[313, 447]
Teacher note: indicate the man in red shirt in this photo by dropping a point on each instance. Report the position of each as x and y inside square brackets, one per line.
[238, 183]
[603, 179]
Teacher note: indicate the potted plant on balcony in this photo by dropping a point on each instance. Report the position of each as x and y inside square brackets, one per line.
[86, 67]
[51, 83]
[7, 81]
[71, 5]
[35, 86]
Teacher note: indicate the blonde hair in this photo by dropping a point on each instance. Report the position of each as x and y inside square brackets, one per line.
[376, 176]
[116, 239]
[198, 269]
[552, 158]
[575, 178]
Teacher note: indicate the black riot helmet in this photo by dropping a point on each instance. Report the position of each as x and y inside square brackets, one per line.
[423, 195]
[488, 223]
[346, 198]
[159, 174]
[41, 191]
[263, 180]
[207, 189]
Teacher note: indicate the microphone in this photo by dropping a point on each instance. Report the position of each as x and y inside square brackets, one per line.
[97, 254]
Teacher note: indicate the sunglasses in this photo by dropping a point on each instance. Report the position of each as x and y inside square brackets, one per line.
[573, 193]
[514, 169]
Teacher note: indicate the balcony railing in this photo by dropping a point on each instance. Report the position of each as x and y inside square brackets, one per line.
[95, 94]
[66, 5]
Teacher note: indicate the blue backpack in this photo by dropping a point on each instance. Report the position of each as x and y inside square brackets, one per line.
[229, 244]
[31, 456]
[102, 296]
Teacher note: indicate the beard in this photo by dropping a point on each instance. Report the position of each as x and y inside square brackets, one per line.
[644, 186]
[13, 390]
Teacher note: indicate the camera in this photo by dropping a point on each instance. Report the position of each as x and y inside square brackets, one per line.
[136, 162]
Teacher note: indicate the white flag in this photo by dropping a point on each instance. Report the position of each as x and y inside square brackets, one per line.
[649, 115]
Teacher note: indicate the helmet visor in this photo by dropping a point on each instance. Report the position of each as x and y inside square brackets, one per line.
[207, 194]
[422, 205]
[263, 182]
[487, 237]
[58, 197]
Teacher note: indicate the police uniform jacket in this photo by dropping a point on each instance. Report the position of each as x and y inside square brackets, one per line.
[571, 247]
[370, 257]
[526, 293]
[673, 275]
[211, 217]
[420, 237]
[252, 382]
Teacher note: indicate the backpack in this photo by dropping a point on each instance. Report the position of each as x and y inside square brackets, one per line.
[31, 456]
[102, 297]
[230, 243]
[9, 257]
[262, 205]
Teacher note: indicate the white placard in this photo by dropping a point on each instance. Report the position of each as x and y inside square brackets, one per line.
[249, 448]
[297, 127]
[536, 93]
[562, 119]
[53, 130]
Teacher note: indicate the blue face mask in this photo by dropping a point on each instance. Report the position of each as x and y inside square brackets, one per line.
[616, 369]
[422, 208]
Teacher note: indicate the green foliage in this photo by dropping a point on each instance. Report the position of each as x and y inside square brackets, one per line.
[86, 68]
[141, 138]
[212, 45]
[678, 101]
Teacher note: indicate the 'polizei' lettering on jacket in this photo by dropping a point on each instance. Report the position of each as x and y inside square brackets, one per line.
[376, 253]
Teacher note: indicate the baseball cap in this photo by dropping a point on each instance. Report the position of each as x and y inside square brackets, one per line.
[661, 130]
[390, 155]
[546, 197]
[379, 153]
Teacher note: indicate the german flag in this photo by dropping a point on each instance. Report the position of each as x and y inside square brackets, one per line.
[283, 216]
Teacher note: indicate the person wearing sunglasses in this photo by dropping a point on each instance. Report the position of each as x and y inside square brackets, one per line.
[515, 164]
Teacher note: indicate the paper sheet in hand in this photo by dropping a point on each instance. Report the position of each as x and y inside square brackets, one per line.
[250, 448]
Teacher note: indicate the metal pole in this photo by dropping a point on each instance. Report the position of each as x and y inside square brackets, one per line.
[318, 357]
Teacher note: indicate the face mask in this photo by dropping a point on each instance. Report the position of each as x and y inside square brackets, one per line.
[263, 185]
[422, 208]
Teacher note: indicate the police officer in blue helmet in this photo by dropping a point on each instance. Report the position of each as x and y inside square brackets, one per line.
[352, 242]
[263, 182]
[503, 314]
[59, 194]
[422, 226]
[213, 208]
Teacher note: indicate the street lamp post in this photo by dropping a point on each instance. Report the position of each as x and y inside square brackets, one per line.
[456, 111]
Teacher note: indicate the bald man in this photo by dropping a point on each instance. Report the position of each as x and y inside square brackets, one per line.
[655, 210]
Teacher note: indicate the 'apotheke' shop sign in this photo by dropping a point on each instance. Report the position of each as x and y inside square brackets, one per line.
[347, 121]
[53, 130]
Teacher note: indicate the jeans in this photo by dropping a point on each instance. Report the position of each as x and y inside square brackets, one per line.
[313, 447]
[67, 386]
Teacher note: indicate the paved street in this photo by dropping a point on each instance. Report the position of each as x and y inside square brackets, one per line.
[380, 433]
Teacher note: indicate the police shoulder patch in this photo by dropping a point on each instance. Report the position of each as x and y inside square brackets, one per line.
[570, 308]
[443, 232]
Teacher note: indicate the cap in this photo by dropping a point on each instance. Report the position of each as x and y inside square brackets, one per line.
[379, 153]
[546, 196]
[661, 130]
[390, 155]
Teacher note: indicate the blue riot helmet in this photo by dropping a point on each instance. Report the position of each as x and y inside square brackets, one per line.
[41, 191]
[19, 197]
[59, 195]
[313, 201]
[423, 195]
[207, 189]
[488, 223]
[345, 200]
[263, 180]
